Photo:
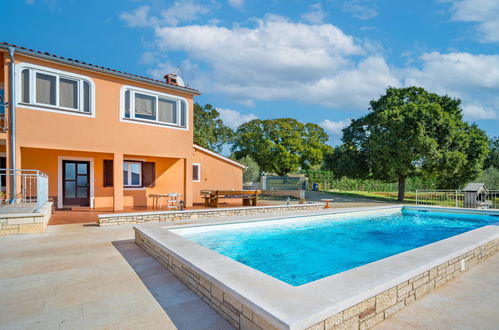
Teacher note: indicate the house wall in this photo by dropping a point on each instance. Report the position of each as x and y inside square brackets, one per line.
[105, 132]
[42, 136]
[215, 174]
[169, 175]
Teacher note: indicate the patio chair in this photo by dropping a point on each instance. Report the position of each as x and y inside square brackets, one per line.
[173, 201]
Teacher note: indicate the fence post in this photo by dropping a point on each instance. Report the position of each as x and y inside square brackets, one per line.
[263, 180]
[457, 205]
[417, 197]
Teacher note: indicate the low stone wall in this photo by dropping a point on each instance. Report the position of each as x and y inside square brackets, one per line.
[122, 218]
[363, 315]
[229, 307]
[25, 223]
[298, 194]
[374, 310]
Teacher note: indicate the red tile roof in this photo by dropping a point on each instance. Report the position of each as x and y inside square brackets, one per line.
[90, 66]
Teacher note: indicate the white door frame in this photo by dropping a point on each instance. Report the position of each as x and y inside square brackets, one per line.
[59, 178]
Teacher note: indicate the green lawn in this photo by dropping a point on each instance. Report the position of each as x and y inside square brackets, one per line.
[440, 199]
[410, 197]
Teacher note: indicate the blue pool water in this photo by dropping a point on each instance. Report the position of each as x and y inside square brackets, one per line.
[306, 250]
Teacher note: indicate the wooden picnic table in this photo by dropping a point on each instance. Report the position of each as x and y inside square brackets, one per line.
[212, 197]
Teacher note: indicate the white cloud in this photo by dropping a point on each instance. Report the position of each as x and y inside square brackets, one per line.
[236, 3]
[280, 59]
[315, 64]
[360, 9]
[139, 17]
[474, 111]
[472, 78]
[457, 71]
[233, 118]
[315, 15]
[181, 11]
[483, 13]
[335, 127]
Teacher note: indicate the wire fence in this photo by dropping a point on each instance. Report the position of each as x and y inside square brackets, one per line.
[284, 183]
[484, 199]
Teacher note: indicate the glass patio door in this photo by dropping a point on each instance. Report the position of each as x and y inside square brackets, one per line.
[76, 183]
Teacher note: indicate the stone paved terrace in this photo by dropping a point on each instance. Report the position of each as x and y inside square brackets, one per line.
[471, 301]
[84, 276]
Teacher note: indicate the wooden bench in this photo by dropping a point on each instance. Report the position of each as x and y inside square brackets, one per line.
[212, 197]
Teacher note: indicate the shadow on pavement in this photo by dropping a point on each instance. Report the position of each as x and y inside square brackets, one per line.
[185, 309]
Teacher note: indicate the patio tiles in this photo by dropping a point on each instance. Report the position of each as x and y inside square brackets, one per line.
[467, 302]
[79, 277]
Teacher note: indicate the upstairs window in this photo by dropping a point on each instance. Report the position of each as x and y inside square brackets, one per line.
[55, 90]
[155, 108]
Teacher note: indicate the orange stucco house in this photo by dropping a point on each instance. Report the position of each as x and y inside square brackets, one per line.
[104, 137]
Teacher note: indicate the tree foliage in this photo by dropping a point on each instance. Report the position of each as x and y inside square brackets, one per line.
[252, 171]
[493, 158]
[411, 132]
[209, 130]
[490, 177]
[347, 161]
[281, 145]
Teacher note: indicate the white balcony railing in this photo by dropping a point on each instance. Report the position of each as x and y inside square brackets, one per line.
[488, 199]
[31, 191]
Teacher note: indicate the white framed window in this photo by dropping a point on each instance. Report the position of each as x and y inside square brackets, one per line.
[196, 172]
[132, 174]
[46, 88]
[151, 107]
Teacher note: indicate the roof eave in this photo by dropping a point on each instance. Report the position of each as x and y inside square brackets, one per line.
[228, 160]
[101, 70]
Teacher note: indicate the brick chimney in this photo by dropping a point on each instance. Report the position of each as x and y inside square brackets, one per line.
[171, 79]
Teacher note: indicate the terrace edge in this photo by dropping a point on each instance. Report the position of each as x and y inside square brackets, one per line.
[158, 216]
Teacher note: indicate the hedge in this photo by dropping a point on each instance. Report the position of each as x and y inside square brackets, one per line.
[328, 182]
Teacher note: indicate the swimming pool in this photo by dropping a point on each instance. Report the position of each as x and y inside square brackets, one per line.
[411, 266]
[301, 250]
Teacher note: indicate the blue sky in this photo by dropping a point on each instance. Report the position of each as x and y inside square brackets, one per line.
[316, 61]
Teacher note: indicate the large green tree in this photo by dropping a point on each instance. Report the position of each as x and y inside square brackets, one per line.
[281, 145]
[410, 132]
[493, 158]
[347, 161]
[209, 130]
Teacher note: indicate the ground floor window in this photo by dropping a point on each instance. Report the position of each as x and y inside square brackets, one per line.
[132, 174]
[135, 173]
[196, 172]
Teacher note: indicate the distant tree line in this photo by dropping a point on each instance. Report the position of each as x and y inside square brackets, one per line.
[407, 133]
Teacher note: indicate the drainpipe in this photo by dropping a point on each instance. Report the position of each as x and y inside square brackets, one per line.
[12, 123]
